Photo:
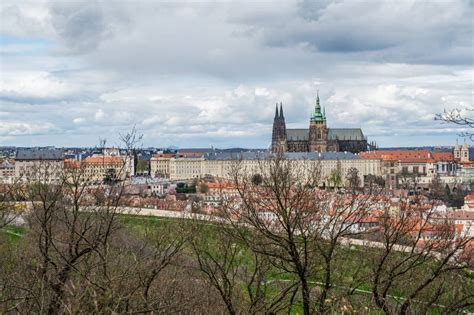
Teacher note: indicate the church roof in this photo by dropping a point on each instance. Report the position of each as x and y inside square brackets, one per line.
[345, 134]
[297, 134]
[252, 155]
[333, 134]
[25, 154]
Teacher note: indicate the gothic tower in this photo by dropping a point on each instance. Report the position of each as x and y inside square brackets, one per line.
[279, 142]
[318, 132]
[465, 152]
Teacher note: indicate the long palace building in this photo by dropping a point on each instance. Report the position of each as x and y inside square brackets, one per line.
[318, 138]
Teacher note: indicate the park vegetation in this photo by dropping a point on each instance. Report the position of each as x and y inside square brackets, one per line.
[283, 245]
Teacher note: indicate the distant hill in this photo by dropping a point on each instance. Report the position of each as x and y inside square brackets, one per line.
[431, 148]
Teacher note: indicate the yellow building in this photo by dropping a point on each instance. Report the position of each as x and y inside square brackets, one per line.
[96, 168]
[160, 165]
[221, 164]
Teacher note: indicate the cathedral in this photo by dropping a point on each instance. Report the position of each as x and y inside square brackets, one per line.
[318, 138]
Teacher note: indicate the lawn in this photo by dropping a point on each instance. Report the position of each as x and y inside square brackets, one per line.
[13, 232]
[351, 257]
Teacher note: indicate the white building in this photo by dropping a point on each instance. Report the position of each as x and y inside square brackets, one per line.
[43, 165]
[221, 164]
[7, 172]
[464, 218]
[160, 165]
[154, 186]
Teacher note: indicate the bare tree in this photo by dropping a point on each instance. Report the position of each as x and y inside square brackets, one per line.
[353, 179]
[294, 224]
[461, 117]
[415, 261]
[280, 244]
[162, 246]
[218, 258]
[67, 234]
[228, 265]
[437, 189]
[10, 209]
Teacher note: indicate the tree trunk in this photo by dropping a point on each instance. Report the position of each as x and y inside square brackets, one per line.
[305, 294]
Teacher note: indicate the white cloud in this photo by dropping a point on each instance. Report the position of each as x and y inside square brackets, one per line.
[79, 120]
[28, 18]
[203, 73]
[16, 128]
[99, 115]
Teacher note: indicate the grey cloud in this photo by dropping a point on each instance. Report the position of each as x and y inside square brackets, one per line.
[79, 25]
[26, 19]
[402, 31]
[210, 73]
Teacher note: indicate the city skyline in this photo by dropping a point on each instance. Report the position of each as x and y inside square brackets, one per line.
[209, 74]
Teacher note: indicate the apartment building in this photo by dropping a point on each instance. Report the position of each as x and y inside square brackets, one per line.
[7, 172]
[221, 164]
[160, 165]
[415, 166]
[96, 168]
[43, 165]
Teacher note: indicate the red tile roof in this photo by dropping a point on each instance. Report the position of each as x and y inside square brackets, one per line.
[69, 163]
[406, 156]
[443, 156]
[462, 215]
[221, 186]
[103, 160]
[191, 154]
[164, 155]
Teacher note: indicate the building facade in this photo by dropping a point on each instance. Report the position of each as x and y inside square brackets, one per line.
[96, 168]
[160, 165]
[220, 165]
[39, 165]
[417, 168]
[464, 156]
[318, 138]
[7, 172]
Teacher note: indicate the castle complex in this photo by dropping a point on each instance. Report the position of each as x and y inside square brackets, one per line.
[318, 138]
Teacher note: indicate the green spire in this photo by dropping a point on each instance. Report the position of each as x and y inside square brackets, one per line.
[318, 115]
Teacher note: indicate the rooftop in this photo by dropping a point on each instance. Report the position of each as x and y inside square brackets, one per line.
[39, 154]
[443, 156]
[333, 134]
[103, 160]
[289, 155]
[462, 215]
[195, 150]
[407, 156]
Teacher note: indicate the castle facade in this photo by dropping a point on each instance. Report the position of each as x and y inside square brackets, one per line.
[318, 138]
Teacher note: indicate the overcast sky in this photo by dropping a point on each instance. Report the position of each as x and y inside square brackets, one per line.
[209, 73]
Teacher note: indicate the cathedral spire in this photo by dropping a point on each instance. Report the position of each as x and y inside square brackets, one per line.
[281, 110]
[318, 106]
[276, 110]
[318, 115]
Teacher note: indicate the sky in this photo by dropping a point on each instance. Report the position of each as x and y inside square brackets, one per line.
[208, 73]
